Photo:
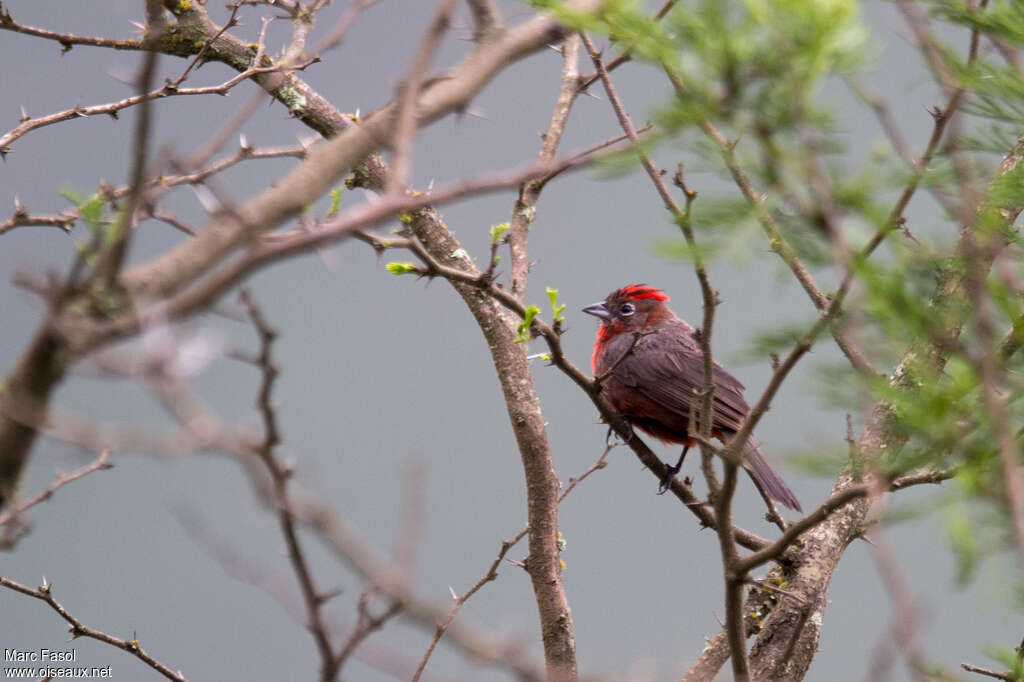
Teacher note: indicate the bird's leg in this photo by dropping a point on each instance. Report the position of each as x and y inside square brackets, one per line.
[666, 482]
[611, 433]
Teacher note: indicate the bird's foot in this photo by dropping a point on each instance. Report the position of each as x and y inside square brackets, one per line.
[610, 437]
[666, 480]
[671, 471]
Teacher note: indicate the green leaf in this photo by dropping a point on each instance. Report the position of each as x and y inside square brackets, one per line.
[336, 199]
[523, 330]
[396, 268]
[556, 309]
[497, 230]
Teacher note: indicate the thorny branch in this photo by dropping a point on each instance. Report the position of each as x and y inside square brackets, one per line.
[492, 571]
[21, 218]
[30, 123]
[9, 519]
[280, 475]
[45, 593]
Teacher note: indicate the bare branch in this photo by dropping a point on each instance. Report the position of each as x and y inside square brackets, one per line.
[529, 192]
[280, 476]
[492, 571]
[1008, 676]
[112, 108]
[588, 80]
[66, 40]
[78, 629]
[7, 518]
[486, 19]
[21, 217]
[409, 93]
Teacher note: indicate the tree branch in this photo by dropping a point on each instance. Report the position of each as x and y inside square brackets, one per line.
[78, 629]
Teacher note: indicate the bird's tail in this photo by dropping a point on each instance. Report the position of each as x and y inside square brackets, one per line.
[757, 466]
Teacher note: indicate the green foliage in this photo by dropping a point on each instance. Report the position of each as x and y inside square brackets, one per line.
[335, 199]
[774, 340]
[625, 21]
[754, 70]
[963, 540]
[90, 208]
[556, 309]
[760, 62]
[396, 268]
[823, 461]
[496, 231]
[1010, 658]
[523, 333]
[679, 249]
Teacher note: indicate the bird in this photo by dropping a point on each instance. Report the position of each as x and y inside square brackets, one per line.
[650, 368]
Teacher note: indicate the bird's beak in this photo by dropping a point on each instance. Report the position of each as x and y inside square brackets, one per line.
[598, 309]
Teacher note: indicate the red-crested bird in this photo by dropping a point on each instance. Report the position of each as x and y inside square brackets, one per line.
[655, 374]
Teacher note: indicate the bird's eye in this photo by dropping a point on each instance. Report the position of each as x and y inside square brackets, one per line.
[627, 309]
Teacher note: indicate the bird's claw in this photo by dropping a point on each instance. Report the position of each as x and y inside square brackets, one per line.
[671, 471]
[612, 435]
[666, 480]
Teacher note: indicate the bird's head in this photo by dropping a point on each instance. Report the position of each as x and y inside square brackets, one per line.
[631, 308]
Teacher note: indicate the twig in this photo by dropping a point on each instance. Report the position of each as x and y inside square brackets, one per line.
[78, 629]
[710, 660]
[941, 118]
[1008, 676]
[409, 94]
[341, 27]
[627, 55]
[21, 217]
[775, 237]
[111, 259]
[276, 247]
[492, 571]
[525, 207]
[174, 222]
[280, 476]
[66, 40]
[486, 19]
[836, 500]
[365, 626]
[903, 610]
[100, 463]
[767, 585]
[112, 108]
[230, 23]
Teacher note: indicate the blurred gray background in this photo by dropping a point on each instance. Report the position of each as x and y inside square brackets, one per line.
[380, 371]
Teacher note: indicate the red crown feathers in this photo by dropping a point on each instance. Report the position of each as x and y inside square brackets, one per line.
[638, 291]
